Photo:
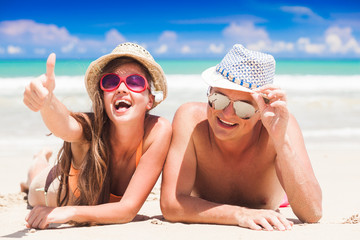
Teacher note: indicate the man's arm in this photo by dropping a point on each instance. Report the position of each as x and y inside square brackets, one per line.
[296, 175]
[179, 175]
[292, 162]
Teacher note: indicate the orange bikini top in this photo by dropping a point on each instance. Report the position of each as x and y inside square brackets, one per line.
[74, 175]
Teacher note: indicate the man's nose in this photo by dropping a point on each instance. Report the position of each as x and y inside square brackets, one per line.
[229, 110]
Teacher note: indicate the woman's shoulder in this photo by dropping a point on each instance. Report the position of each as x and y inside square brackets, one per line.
[153, 122]
[156, 129]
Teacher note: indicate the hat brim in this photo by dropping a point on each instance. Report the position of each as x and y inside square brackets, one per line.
[215, 79]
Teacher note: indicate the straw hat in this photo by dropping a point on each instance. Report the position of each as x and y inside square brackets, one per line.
[241, 69]
[158, 86]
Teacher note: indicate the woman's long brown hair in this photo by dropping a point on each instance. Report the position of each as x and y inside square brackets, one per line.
[94, 177]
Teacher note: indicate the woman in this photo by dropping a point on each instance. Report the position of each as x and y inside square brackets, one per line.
[111, 158]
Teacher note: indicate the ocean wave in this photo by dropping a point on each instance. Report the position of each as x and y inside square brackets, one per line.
[318, 83]
[289, 82]
[334, 132]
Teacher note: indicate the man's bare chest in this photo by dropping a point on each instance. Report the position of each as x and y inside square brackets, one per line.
[244, 182]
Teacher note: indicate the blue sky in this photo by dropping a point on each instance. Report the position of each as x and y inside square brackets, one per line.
[180, 29]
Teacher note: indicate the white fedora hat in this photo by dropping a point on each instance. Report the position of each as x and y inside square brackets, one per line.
[241, 69]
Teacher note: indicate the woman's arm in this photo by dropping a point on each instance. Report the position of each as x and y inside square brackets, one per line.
[156, 145]
[39, 96]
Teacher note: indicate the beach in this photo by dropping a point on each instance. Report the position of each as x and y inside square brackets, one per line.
[327, 108]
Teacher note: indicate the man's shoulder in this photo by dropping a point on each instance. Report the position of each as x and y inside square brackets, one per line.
[192, 111]
[189, 115]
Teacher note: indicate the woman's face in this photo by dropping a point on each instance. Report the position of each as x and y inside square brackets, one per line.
[122, 104]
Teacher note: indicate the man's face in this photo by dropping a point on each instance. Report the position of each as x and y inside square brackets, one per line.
[226, 123]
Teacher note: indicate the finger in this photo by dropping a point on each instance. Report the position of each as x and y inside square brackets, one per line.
[267, 87]
[278, 104]
[29, 95]
[50, 65]
[31, 105]
[37, 220]
[36, 87]
[277, 224]
[43, 223]
[50, 71]
[252, 225]
[38, 90]
[27, 216]
[30, 218]
[276, 94]
[265, 224]
[288, 224]
[259, 101]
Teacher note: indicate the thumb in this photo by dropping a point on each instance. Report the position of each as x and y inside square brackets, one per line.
[50, 73]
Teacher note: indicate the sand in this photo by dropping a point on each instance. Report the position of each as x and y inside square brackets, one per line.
[336, 166]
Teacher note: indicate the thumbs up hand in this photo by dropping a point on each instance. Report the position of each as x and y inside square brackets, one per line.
[40, 90]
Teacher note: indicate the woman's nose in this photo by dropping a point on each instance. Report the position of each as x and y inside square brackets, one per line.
[122, 88]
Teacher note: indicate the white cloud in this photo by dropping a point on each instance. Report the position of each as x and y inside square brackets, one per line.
[113, 37]
[68, 48]
[13, 49]
[341, 40]
[168, 37]
[162, 49]
[305, 45]
[258, 46]
[353, 44]
[81, 50]
[34, 33]
[221, 19]
[213, 48]
[185, 49]
[303, 14]
[336, 41]
[245, 33]
[282, 46]
[40, 51]
[33, 36]
[272, 47]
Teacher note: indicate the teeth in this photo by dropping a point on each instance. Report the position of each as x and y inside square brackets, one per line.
[122, 101]
[227, 123]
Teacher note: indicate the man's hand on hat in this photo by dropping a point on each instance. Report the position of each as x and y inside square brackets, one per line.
[274, 114]
[40, 90]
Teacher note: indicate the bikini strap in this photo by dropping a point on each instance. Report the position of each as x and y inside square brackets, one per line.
[139, 152]
[50, 178]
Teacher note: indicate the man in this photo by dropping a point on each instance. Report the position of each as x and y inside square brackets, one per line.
[234, 160]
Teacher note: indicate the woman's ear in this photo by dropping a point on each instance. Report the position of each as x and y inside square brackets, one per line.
[151, 102]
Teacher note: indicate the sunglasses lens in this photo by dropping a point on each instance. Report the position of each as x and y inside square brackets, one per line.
[244, 110]
[110, 82]
[218, 101]
[136, 82]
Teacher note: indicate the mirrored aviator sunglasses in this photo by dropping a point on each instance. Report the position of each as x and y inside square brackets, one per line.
[134, 82]
[242, 109]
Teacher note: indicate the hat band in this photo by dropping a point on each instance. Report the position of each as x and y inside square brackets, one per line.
[235, 80]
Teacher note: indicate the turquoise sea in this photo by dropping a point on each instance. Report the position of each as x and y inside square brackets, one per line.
[20, 68]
